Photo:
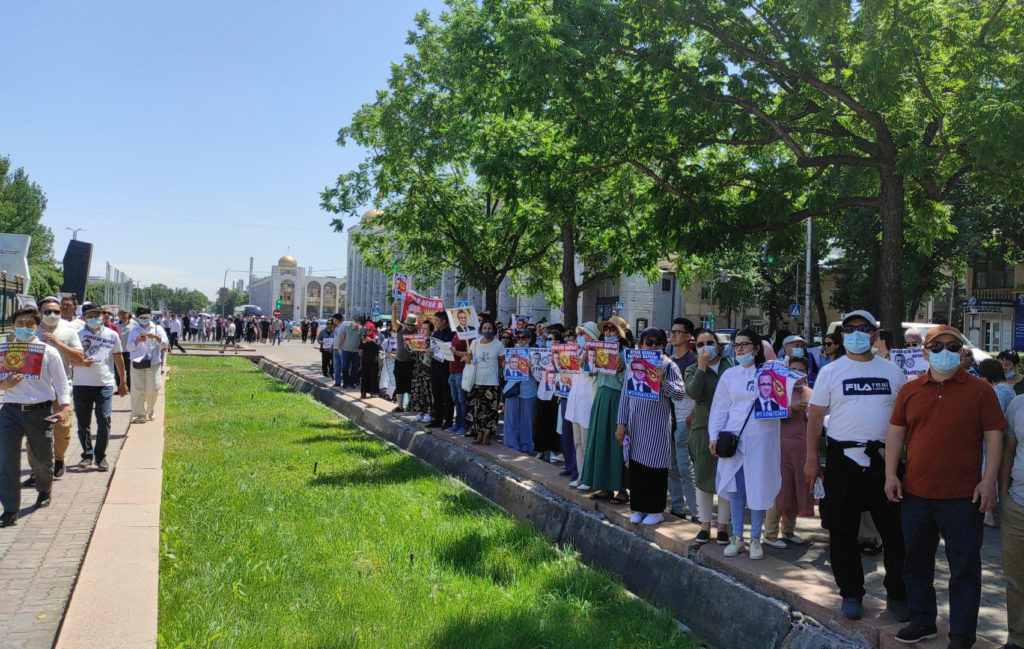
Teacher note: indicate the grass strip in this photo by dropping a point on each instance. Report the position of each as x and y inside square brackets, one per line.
[372, 549]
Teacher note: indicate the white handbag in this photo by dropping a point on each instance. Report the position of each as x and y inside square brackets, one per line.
[468, 377]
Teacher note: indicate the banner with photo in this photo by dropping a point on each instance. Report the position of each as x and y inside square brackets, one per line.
[517, 363]
[95, 345]
[441, 351]
[399, 285]
[641, 373]
[22, 358]
[464, 321]
[773, 387]
[416, 342]
[540, 360]
[566, 358]
[603, 356]
[519, 322]
[421, 306]
[911, 360]
[563, 383]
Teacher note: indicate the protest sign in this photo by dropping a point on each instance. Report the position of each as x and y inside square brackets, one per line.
[22, 358]
[641, 373]
[464, 321]
[399, 285]
[416, 342]
[420, 306]
[440, 350]
[604, 356]
[521, 321]
[566, 358]
[770, 389]
[910, 360]
[517, 363]
[563, 383]
[540, 360]
[96, 346]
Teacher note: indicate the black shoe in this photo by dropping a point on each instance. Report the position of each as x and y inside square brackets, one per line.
[43, 499]
[898, 609]
[695, 519]
[722, 538]
[398, 409]
[870, 549]
[703, 537]
[959, 642]
[30, 481]
[913, 633]
[852, 610]
[9, 519]
[58, 468]
[678, 514]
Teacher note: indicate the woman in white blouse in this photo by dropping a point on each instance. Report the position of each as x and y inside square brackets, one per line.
[752, 477]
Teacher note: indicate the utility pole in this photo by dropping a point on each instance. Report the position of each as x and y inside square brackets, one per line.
[808, 334]
[74, 232]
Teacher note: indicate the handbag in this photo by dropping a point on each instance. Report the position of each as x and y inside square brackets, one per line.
[468, 377]
[729, 441]
[144, 364]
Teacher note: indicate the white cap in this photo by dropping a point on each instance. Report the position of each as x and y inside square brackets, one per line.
[861, 313]
[793, 339]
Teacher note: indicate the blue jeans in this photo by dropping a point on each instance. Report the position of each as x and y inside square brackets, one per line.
[959, 522]
[459, 399]
[680, 472]
[737, 503]
[350, 368]
[88, 398]
[568, 444]
[519, 423]
[276, 338]
[337, 367]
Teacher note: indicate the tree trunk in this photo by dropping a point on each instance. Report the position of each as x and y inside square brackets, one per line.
[819, 299]
[570, 290]
[890, 262]
[491, 300]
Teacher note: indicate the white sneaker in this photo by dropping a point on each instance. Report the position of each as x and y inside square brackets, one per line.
[735, 546]
[636, 517]
[777, 543]
[574, 483]
[418, 418]
[755, 549]
[583, 487]
[653, 519]
[152, 417]
[795, 540]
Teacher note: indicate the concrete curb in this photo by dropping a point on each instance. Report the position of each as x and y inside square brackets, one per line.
[722, 611]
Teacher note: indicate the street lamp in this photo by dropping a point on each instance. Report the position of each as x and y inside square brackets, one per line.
[74, 232]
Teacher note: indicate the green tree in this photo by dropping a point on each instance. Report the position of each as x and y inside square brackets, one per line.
[22, 203]
[228, 299]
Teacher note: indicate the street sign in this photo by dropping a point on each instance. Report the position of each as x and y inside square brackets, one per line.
[375, 312]
[619, 306]
[461, 303]
[277, 313]
[795, 310]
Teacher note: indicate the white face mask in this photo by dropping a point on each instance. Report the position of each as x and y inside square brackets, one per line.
[50, 320]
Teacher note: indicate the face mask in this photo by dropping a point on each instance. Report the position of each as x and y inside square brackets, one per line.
[745, 359]
[857, 343]
[582, 344]
[1011, 374]
[24, 334]
[50, 320]
[611, 339]
[945, 361]
[798, 352]
[144, 322]
[712, 353]
[94, 323]
[488, 334]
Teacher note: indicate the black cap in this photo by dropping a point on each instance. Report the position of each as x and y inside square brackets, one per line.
[90, 306]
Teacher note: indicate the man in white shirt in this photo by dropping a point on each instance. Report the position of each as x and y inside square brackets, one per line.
[33, 399]
[858, 391]
[173, 334]
[145, 342]
[93, 386]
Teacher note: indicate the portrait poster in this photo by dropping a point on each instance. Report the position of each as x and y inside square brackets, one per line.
[420, 306]
[520, 322]
[540, 360]
[566, 358]
[563, 383]
[603, 356]
[911, 360]
[770, 391]
[22, 358]
[95, 345]
[464, 321]
[641, 373]
[399, 285]
[517, 363]
[416, 342]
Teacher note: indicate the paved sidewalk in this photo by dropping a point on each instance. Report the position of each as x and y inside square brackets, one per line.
[802, 569]
[40, 556]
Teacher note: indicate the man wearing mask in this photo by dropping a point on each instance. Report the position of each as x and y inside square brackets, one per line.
[858, 391]
[61, 335]
[29, 410]
[680, 472]
[796, 347]
[952, 426]
[145, 342]
[125, 323]
[93, 386]
[326, 341]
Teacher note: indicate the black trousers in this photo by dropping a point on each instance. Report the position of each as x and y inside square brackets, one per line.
[849, 490]
[327, 362]
[443, 410]
[647, 488]
[125, 378]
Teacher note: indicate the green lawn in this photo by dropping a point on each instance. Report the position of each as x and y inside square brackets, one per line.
[372, 549]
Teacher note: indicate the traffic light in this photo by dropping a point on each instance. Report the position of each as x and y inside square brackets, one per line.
[395, 268]
[278, 306]
[766, 257]
[712, 319]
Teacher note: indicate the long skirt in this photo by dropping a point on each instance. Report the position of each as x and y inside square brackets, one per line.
[647, 488]
[403, 376]
[602, 465]
[482, 410]
[705, 465]
[545, 426]
[369, 380]
[420, 399]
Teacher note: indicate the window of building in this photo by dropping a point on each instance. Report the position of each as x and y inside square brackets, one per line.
[993, 274]
[666, 284]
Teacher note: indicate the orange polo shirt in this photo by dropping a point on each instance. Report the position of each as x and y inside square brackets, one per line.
[945, 424]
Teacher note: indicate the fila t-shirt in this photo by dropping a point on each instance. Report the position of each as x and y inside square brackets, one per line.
[859, 395]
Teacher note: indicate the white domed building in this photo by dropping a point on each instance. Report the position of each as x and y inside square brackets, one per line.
[301, 294]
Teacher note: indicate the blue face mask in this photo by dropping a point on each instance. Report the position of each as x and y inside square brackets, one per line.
[745, 359]
[488, 334]
[798, 352]
[857, 343]
[94, 323]
[944, 362]
[712, 353]
[24, 334]
[611, 339]
[1009, 375]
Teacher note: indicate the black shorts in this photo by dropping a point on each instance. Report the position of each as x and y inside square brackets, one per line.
[229, 340]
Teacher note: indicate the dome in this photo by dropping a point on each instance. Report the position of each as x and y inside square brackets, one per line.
[368, 216]
[288, 261]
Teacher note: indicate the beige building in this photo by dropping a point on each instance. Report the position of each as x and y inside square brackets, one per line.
[994, 308]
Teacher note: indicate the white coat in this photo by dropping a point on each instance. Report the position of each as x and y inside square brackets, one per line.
[760, 448]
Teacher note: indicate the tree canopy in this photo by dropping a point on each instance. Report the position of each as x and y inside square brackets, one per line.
[22, 203]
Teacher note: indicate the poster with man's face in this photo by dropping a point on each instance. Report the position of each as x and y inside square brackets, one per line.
[641, 377]
[911, 360]
[463, 320]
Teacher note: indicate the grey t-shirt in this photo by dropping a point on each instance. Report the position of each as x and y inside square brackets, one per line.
[1015, 429]
[402, 352]
[353, 336]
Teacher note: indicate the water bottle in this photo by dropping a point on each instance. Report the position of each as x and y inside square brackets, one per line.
[819, 488]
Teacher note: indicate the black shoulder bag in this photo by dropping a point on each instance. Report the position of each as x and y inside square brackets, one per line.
[729, 441]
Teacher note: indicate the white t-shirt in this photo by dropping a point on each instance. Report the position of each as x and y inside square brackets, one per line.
[860, 396]
[99, 346]
[485, 358]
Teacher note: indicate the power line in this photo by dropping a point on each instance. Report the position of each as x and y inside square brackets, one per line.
[184, 220]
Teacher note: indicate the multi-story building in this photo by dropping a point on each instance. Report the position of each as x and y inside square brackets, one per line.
[301, 294]
[994, 308]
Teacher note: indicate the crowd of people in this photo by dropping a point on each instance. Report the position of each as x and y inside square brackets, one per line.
[894, 462]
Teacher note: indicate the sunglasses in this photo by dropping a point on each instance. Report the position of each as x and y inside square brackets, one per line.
[51, 312]
[522, 337]
[863, 328]
[651, 342]
[828, 343]
[952, 346]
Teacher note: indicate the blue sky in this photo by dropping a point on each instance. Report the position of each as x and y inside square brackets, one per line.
[185, 137]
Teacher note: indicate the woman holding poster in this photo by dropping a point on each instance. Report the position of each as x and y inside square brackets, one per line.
[645, 426]
[753, 476]
[603, 468]
[421, 399]
[520, 402]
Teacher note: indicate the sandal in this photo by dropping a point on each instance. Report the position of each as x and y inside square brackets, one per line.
[601, 495]
[619, 500]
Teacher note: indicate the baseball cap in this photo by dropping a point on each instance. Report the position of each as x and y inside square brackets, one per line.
[861, 313]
